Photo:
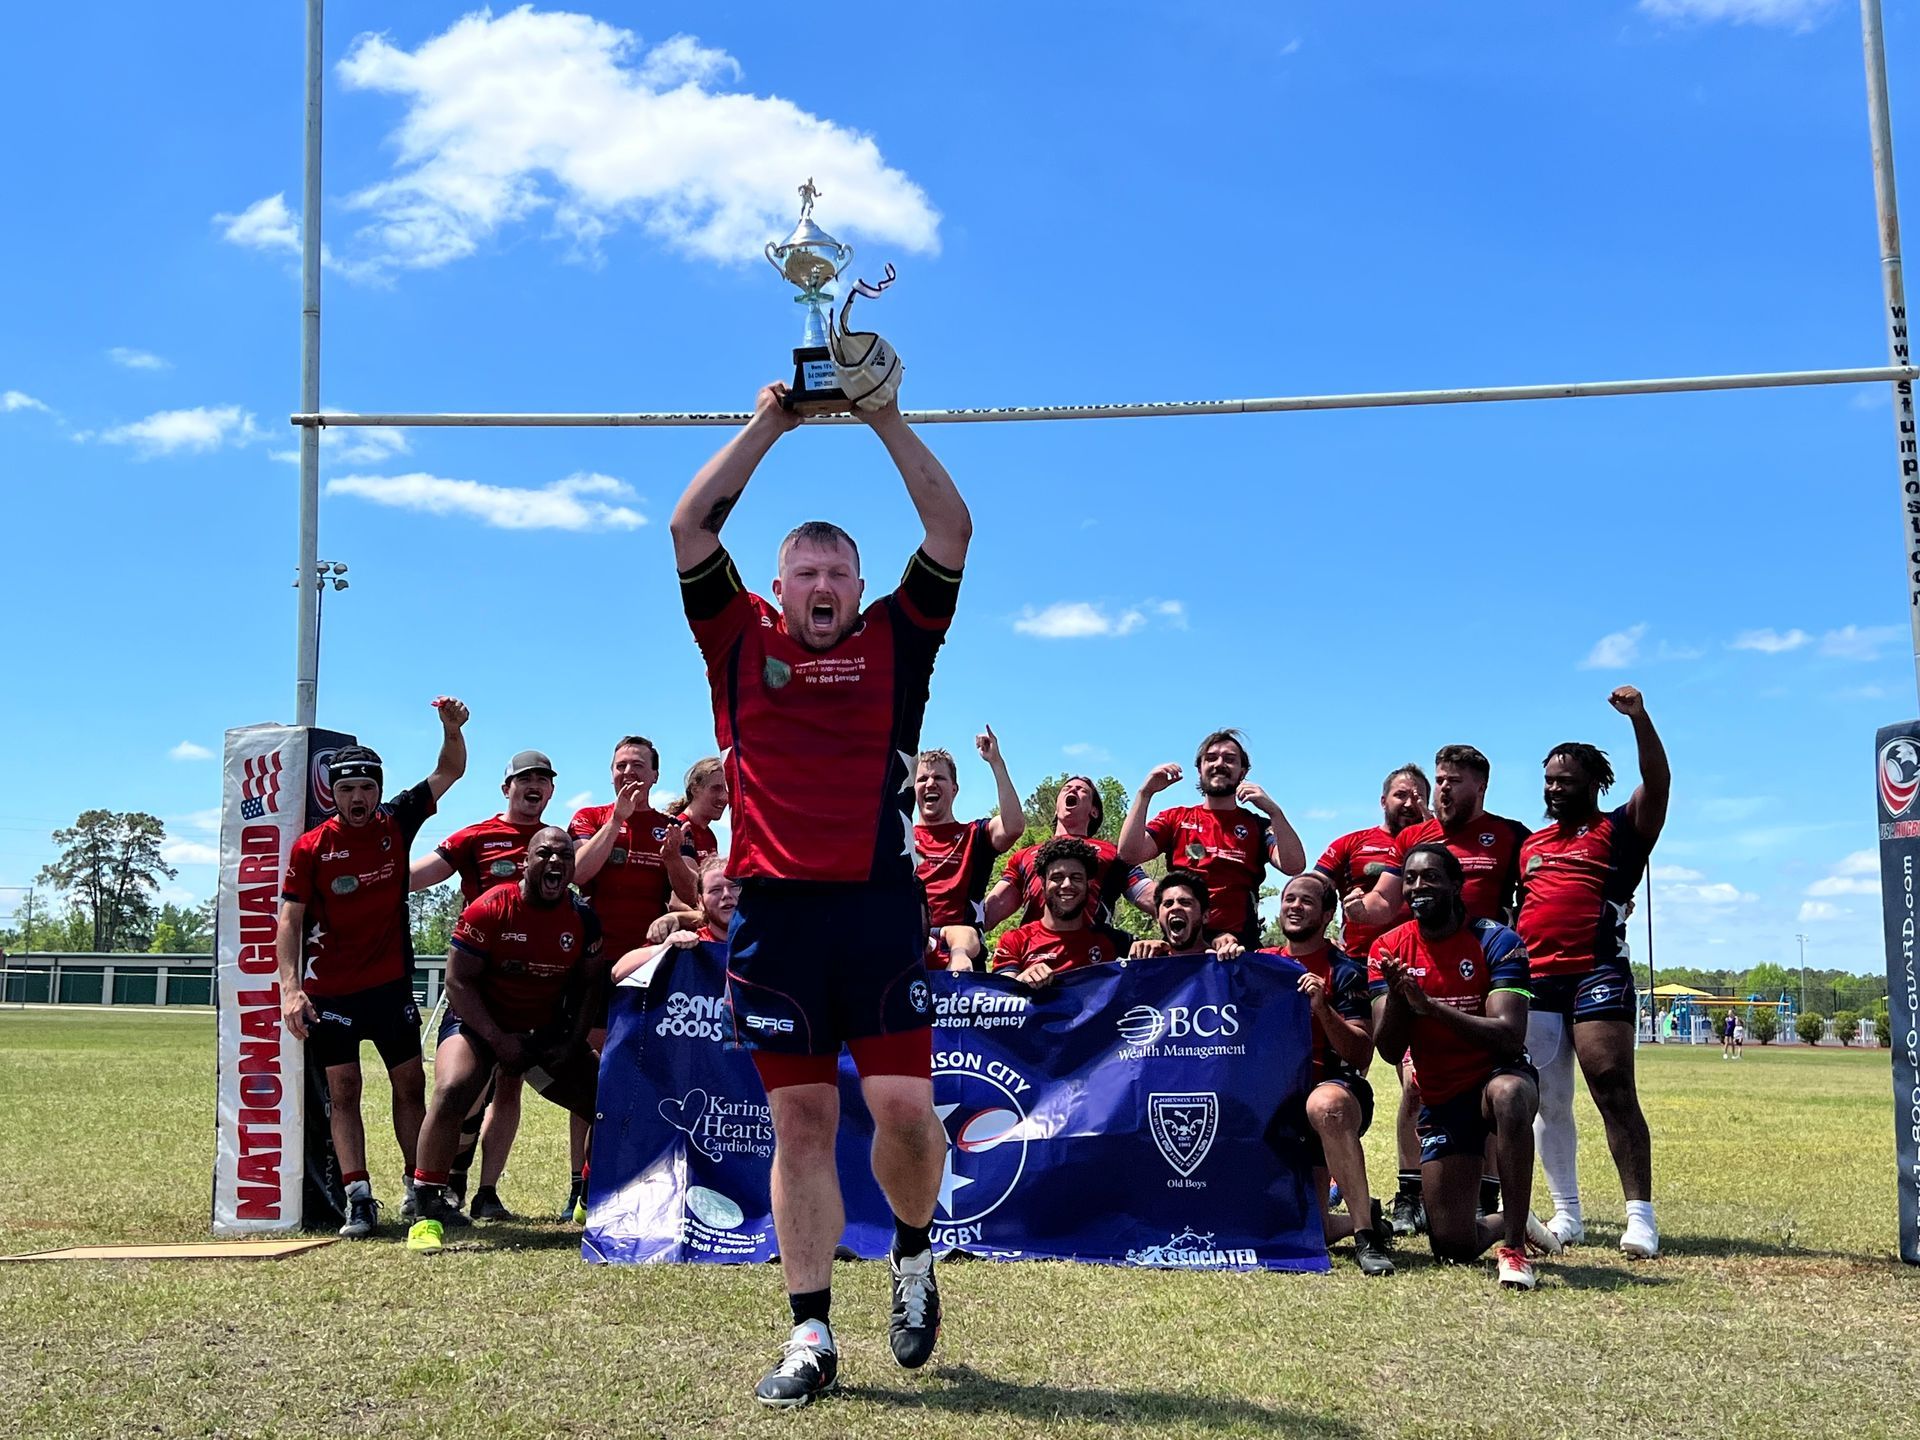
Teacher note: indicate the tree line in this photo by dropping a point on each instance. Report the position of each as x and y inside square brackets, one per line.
[101, 893]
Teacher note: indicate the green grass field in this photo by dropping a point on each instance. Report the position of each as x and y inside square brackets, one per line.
[1779, 1308]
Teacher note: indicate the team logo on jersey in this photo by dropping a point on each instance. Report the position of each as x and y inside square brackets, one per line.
[500, 867]
[1094, 957]
[345, 884]
[386, 842]
[1899, 776]
[1486, 839]
[659, 832]
[1600, 994]
[1534, 862]
[1183, 1126]
[1240, 832]
[776, 673]
[619, 855]
[566, 942]
[1196, 852]
[1467, 967]
[920, 997]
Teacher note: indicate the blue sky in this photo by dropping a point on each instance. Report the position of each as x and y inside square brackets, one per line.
[544, 210]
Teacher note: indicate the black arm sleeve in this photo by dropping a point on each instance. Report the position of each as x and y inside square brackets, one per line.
[708, 586]
[931, 588]
[411, 809]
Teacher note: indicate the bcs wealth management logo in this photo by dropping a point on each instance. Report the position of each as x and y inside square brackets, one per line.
[1898, 768]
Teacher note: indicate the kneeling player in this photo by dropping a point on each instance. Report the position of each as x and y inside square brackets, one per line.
[523, 962]
[1340, 1105]
[1454, 993]
[1063, 938]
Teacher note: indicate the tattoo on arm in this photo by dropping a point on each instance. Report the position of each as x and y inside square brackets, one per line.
[717, 516]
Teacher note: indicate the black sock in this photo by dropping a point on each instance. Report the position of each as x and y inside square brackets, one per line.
[813, 1305]
[911, 1239]
[1410, 1184]
[486, 1190]
[578, 1182]
[1489, 1194]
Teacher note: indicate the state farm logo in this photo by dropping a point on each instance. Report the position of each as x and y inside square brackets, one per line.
[1899, 776]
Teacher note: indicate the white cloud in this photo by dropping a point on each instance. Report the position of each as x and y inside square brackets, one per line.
[579, 502]
[13, 400]
[1292, 47]
[264, 225]
[129, 359]
[1714, 893]
[1859, 642]
[355, 445]
[207, 821]
[513, 115]
[1791, 14]
[188, 852]
[195, 431]
[1321, 814]
[1172, 611]
[1076, 620]
[1615, 651]
[1858, 874]
[187, 750]
[1821, 910]
[1675, 872]
[1081, 750]
[580, 801]
[1770, 642]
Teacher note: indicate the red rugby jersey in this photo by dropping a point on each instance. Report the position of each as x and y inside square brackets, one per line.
[1361, 858]
[819, 744]
[1488, 850]
[1461, 970]
[1111, 884]
[1575, 882]
[1347, 997]
[631, 890]
[531, 954]
[1227, 847]
[697, 840]
[494, 852]
[955, 861]
[353, 881]
[1025, 945]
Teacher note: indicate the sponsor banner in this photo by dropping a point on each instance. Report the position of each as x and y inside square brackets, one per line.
[261, 1179]
[1897, 781]
[1147, 1113]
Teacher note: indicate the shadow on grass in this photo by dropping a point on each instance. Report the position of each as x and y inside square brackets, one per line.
[1576, 1276]
[968, 1391]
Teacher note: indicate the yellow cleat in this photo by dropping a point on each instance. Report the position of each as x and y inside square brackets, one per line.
[580, 1211]
[426, 1236]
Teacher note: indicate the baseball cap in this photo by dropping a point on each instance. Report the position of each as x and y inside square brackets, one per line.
[528, 761]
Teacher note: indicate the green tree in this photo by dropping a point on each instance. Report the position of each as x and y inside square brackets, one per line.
[1846, 1025]
[110, 867]
[1038, 808]
[1811, 1027]
[1766, 978]
[184, 929]
[1763, 1023]
[431, 915]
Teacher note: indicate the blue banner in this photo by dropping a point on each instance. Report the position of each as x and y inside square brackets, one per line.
[1144, 1113]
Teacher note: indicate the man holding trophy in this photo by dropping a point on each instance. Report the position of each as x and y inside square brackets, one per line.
[817, 710]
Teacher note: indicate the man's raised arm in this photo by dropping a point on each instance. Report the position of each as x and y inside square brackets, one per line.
[710, 496]
[949, 526]
[1648, 805]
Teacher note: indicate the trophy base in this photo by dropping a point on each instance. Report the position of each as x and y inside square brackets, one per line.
[815, 389]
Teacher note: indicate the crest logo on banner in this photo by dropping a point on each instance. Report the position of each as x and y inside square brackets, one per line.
[1899, 776]
[1183, 1126]
[986, 1143]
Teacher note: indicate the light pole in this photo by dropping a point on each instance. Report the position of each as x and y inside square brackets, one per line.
[1803, 972]
[325, 573]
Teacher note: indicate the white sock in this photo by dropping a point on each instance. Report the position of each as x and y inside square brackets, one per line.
[1554, 1138]
[1641, 1210]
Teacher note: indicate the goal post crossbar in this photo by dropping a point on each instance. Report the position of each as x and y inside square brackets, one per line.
[1382, 399]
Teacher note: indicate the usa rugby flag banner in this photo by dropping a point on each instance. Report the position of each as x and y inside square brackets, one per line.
[1147, 1113]
[1897, 779]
